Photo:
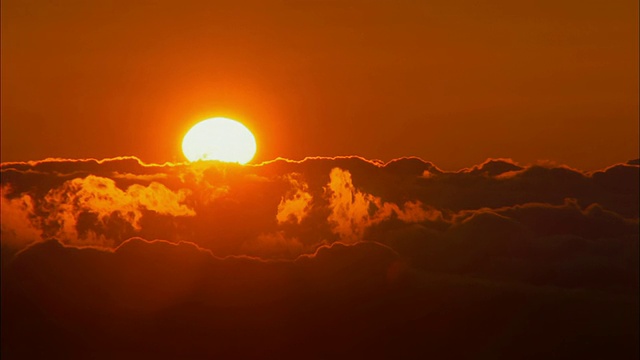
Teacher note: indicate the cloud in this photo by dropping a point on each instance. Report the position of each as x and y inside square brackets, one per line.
[274, 246]
[167, 300]
[145, 177]
[17, 216]
[493, 167]
[539, 244]
[226, 207]
[295, 205]
[103, 205]
[353, 211]
[375, 259]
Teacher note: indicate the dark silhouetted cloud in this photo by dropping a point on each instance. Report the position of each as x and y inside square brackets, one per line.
[320, 258]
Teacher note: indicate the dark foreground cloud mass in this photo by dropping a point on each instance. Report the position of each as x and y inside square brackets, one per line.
[321, 258]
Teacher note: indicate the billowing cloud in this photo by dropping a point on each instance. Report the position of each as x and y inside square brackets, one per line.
[67, 212]
[220, 260]
[17, 216]
[227, 208]
[353, 211]
[296, 204]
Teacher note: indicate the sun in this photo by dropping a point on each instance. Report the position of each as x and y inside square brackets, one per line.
[219, 139]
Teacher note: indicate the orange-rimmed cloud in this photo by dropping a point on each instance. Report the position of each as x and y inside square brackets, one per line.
[281, 254]
[227, 208]
[101, 196]
[295, 205]
[17, 216]
[353, 211]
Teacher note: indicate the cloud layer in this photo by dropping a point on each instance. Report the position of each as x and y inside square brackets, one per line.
[325, 257]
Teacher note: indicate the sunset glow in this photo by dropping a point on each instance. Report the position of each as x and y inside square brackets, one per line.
[262, 179]
[219, 139]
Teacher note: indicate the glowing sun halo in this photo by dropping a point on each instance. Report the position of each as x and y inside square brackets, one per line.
[219, 139]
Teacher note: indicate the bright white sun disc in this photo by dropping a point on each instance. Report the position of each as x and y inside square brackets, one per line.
[219, 139]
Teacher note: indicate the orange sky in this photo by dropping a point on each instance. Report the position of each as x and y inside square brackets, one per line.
[451, 82]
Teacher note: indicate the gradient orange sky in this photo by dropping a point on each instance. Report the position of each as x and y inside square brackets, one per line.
[451, 82]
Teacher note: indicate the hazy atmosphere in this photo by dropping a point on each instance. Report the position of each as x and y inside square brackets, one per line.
[320, 180]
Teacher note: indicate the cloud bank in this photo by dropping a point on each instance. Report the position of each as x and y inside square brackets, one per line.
[325, 257]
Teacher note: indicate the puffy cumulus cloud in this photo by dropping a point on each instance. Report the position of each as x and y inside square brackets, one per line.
[385, 260]
[353, 211]
[17, 214]
[227, 207]
[296, 204]
[99, 200]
